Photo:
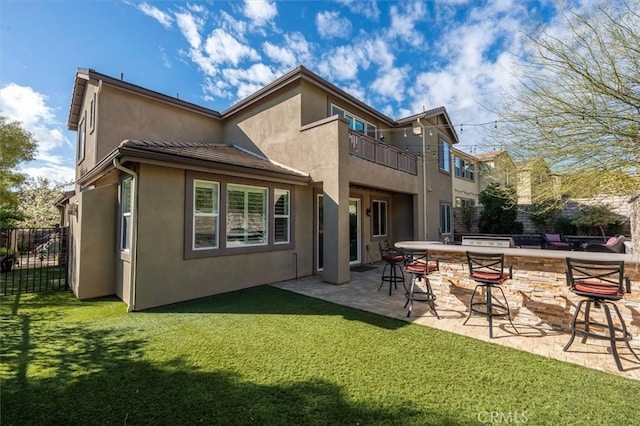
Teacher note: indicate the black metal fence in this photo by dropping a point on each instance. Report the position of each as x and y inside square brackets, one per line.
[33, 260]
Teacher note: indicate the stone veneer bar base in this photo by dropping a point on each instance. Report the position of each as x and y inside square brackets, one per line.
[538, 295]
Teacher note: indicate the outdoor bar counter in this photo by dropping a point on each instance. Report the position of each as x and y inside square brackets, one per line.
[538, 294]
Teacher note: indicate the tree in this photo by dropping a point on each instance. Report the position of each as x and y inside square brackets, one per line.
[577, 102]
[36, 202]
[499, 210]
[598, 217]
[16, 146]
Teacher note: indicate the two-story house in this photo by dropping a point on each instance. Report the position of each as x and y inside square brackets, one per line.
[175, 201]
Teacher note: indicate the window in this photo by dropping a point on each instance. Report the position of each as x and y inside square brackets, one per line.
[125, 215]
[205, 214]
[281, 216]
[444, 156]
[356, 123]
[462, 202]
[464, 169]
[246, 215]
[92, 114]
[379, 218]
[445, 218]
[82, 139]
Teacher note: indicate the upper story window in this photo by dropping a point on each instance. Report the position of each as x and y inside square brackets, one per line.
[463, 202]
[82, 138]
[444, 156]
[92, 114]
[356, 123]
[464, 169]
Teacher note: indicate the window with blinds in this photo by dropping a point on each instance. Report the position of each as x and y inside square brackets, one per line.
[246, 219]
[205, 214]
[281, 216]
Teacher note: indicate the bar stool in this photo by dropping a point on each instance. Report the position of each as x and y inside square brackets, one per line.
[419, 267]
[394, 260]
[601, 284]
[487, 270]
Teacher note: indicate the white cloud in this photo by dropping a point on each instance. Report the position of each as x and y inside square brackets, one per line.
[233, 25]
[164, 19]
[260, 12]
[190, 28]
[391, 83]
[29, 107]
[344, 62]
[403, 23]
[249, 80]
[222, 47]
[331, 24]
[369, 9]
[52, 172]
[292, 51]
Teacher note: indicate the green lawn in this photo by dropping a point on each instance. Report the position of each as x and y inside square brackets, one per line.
[268, 356]
[33, 279]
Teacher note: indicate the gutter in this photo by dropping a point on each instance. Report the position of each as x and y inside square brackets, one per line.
[424, 176]
[134, 233]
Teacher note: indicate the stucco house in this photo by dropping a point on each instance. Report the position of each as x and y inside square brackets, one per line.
[175, 201]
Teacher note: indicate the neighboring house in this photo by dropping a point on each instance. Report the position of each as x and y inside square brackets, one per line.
[465, 179]
[496, 167]
[175, 201]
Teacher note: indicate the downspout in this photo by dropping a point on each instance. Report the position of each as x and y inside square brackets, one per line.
[424, 176]
[134, 233]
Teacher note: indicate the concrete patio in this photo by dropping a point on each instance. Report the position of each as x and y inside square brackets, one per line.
[541, 339]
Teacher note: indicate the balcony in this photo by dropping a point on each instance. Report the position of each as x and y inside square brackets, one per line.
[363, 146]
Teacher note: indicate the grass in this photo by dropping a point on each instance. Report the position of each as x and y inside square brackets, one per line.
[270, 357]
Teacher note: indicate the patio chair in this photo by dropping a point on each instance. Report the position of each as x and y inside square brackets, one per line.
[613, 245]
[488, 271]
[394, 260]
[419, 267]
[555, 242]
[600, 283]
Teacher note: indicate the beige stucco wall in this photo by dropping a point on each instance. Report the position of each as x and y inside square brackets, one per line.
[123, 115]
[164, 276]
[93, 240]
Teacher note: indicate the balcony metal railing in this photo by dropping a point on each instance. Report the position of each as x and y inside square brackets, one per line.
[365, 147]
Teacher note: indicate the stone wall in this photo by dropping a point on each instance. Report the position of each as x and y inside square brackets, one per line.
[538, 295]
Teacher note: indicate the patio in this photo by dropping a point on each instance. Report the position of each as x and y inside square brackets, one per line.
[538, 338]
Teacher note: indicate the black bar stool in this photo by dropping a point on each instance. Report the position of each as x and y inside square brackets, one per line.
[394, 261]
[601, 284]
[488, 271]
[419, 267]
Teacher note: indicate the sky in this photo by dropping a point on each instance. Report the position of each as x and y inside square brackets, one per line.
[401, 57]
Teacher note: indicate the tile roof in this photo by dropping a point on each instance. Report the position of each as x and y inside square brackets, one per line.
[214, 153]
[488, 155]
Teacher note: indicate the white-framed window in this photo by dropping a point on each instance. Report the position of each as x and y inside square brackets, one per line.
[247, 214]
[82, 138]
[281, 216]
[445, 218]
[125, 215]
[206, 208]
[355, 123]
[464, 169]
[379, 218]
[444, 156]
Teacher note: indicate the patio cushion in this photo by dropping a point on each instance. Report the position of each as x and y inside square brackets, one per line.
[596, 288]
[553, 238]
[611, 241]
[392, 257]
[490, 276]
[418, 267]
